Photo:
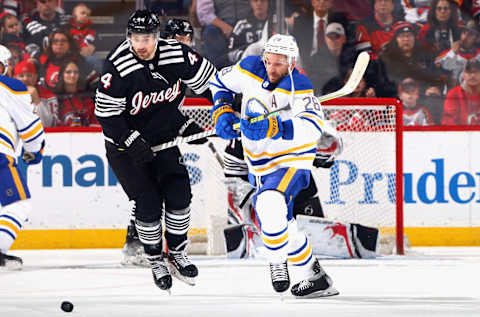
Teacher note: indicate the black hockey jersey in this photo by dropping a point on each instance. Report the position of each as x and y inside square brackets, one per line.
[134, 94]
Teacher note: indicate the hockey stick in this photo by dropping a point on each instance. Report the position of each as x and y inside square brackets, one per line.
[179, 140]
[358, 71]
[212, 148]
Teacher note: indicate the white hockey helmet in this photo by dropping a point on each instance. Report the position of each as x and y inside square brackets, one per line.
[5, 56]
[282, 44]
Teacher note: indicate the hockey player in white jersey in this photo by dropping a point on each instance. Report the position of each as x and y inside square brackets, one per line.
[279, 152]
[18, 124]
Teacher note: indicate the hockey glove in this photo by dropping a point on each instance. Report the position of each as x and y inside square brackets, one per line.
[137, 147]
[224, 118]
[329, 146]
[33, 157]
[190, 128]
[271, 127]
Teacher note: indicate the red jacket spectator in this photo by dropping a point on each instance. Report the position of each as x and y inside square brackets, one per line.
[77, 111]
[461, 108]
[83, 34]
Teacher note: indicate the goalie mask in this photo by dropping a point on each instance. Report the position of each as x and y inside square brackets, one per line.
[5, 56]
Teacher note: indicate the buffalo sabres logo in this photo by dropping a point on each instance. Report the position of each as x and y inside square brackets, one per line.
[254, 105]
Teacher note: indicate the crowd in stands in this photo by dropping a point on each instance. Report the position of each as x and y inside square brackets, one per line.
[52, 53]
[424, 52]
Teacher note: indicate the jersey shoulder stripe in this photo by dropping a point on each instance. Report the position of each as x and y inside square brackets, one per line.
[301, 84]
[253, 66]
[123, 60]
[13, 85]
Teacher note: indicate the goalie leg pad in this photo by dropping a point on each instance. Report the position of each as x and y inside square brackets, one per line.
[12, 218]
[272, 214]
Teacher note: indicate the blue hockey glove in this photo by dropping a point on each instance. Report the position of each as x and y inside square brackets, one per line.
[224, 118]
[271, 127]
[33, 157]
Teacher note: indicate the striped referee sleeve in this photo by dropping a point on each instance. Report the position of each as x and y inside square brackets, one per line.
[199, 82]
[107, 106]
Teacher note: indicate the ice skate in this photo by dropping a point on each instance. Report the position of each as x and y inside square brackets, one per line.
[280, 277]
[160, 272]
[10, 262]
[180, 265]
[133, 251]
[318, 285]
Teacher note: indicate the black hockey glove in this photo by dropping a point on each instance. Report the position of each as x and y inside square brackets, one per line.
[189, 128]
[137, 147]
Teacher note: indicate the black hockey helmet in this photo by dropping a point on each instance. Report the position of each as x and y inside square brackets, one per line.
[143, 21]
[177, 27]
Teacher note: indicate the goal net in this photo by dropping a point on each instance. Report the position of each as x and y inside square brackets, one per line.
[362, 186]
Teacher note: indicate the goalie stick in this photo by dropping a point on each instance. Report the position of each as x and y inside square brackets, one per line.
[359, 69]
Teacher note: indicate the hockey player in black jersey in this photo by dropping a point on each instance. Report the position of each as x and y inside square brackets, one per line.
[137, 103]
[133, 253]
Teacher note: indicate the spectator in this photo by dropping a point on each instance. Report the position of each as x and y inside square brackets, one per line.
[453, 60]
[82, 31]
[442, 29]
[334, 57]
[416, 11]
[462, 104]
[269, 28]
[247, 31]
[413, 113]
[363, 89]
[309, 30]
[10, 30]
[403, 58]
[40, 24]
[62, 48]
[376, 30]
[12, 7]
[76, 107]
[80, 27]
[43, 99]
[217, 18]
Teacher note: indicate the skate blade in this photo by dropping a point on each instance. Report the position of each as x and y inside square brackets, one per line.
[176, 274]
[331, 291]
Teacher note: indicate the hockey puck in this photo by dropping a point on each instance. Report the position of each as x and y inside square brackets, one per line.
[67, 306]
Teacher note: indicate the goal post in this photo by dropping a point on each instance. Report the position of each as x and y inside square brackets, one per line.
[364, 186]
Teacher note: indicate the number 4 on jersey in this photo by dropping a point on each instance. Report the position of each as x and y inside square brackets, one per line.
[192, 57]
[106, 80]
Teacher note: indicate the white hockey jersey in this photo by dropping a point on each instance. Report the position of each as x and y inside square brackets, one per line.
[17, 120]
[249, 77]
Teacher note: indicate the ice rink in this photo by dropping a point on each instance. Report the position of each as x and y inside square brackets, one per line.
[427, 282]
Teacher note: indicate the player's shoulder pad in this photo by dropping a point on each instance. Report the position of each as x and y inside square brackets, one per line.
[122, 59]
[253, 66]
[301, 83]
[13, 85]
